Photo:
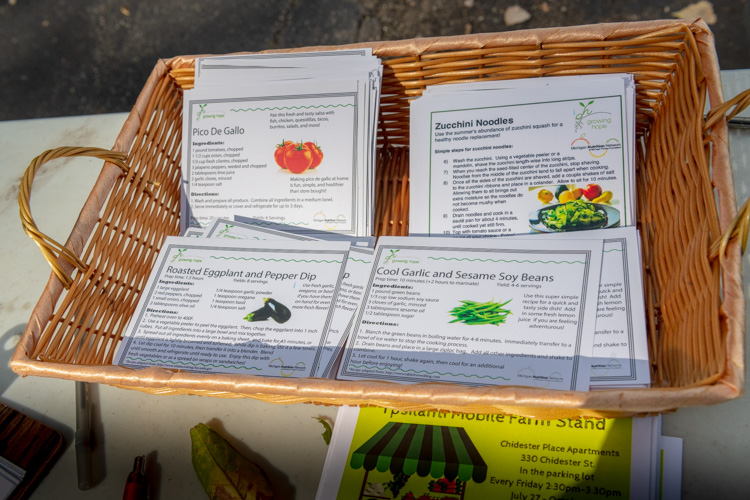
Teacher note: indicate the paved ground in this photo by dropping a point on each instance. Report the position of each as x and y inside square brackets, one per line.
[72, 57]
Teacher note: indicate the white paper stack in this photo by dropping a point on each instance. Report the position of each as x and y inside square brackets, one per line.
[619, 356]
[495, 311]
[545, 298]
[551, 312]
[10, 476]
[236, 306]
[541, 158]
[211, 302]
[287, 138]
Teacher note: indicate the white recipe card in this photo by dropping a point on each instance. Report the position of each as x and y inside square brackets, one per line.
[477, 312]
[620, 355]
[231, 166]
[490, 163]
[352, 287]
[225, 306]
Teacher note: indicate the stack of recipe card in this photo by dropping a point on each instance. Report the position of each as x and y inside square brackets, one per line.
[10, 477]
[245, 298]
[288, 138]
[498, 158]
[547, 291]
[241, 297]
[553, 312]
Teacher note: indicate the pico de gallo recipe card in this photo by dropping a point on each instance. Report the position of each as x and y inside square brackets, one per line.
[492, 311]
[286, 152]
[549, 157]
[223, 306]
[378, 453]
[247, 70]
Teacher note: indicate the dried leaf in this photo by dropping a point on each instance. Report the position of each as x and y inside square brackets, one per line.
[327, 432]
[223, 471]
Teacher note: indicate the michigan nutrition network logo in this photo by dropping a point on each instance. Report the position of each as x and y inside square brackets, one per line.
[543, 381]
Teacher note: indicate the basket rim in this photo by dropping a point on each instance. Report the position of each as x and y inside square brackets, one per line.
[438, 395]
[529, 36]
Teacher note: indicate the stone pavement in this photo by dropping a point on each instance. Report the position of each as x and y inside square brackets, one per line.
[71, 57]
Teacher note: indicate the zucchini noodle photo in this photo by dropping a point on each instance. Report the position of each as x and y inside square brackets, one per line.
[573, 215]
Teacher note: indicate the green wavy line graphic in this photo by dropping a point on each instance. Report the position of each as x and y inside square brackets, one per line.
[360, 260]
[187, 363]
[275, 108]
[510, 260]
[426, 372]
[613, 250]
[277, 260]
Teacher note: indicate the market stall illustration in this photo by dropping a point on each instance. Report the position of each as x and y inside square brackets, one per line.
[444, 459]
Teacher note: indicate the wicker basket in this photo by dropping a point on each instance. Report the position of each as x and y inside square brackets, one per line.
[691, 266]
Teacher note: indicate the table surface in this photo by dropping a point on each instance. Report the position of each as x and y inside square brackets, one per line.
[284, 439]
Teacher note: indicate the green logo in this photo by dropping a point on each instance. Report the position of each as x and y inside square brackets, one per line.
[180, 257]
[393, 258]
[583, 114]
[180, 253]
[201, 111]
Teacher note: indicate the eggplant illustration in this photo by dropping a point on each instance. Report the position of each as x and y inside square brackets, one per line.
[271, 309]
[261, 314]
[281, 313]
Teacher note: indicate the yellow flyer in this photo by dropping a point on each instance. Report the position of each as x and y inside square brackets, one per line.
[378, 453]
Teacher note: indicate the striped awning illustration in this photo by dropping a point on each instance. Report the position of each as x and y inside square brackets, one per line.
[439, 451]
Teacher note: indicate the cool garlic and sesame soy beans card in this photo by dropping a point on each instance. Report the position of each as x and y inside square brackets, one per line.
[259, 308]
[493, 311]
[536, 158]
[298, 151]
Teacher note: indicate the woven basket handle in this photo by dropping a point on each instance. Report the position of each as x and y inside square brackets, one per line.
[51, 249]
[740, 226]
[722, 111]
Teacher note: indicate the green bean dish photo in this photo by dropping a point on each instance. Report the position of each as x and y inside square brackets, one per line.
[480, 313]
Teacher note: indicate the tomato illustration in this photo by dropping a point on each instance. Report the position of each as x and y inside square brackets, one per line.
[297, 158]
[278, 155]
[592, 191]
[317, 154]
